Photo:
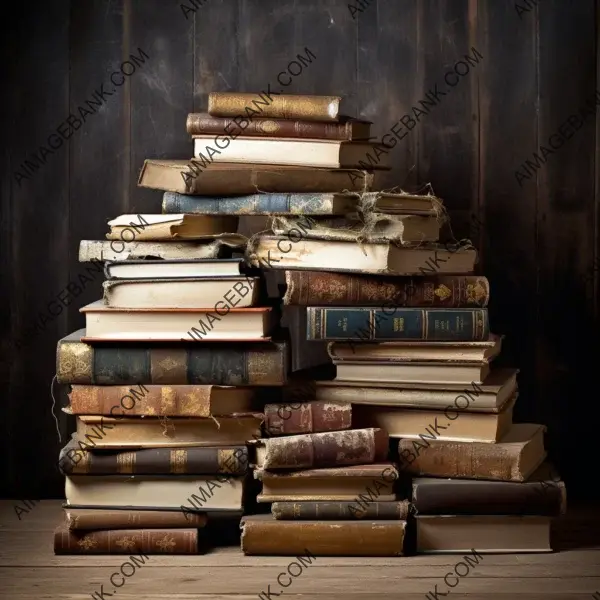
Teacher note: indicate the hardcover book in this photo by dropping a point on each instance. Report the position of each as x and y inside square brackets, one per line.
[307, 417]
[339, 511]
[173, 269]
[85, 519]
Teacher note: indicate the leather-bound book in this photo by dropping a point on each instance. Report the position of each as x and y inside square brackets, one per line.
[126, 541]
[327, 449]
[514, 458]
[160, 400]
[308, 417]
[315, 288]
[264, 535]
[347, 129]
[86, 519]
[264, 364]
[338, 511]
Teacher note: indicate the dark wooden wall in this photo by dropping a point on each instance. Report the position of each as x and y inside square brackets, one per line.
[538, 240]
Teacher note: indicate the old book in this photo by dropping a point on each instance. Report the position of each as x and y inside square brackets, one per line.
[104, 323]
[218, 493]
[392, 323]
[346, 128]
[449, 425]
[215, 179]
[287, 252]
[358, 484]
[232, 460]
[482, 533]
[327, 449]
[126, 541]
[339, 511]
[83, 519]
[497, 388]
[300, 153]
[425, 351]
[261, 204]
[315, 288]
[189, 293]
[307, 417]
[160, 400]
[264, 364]
[264, 535]
[103, 250]
[173, 269]
[542, 494]
[148, 432]
[514, 458]
[157, 228]
[402, 203]
[282, 106]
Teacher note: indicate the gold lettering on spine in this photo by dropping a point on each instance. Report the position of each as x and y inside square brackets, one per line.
[168, 401]
[264, 368]
[125, 462]
[74, 362]
[168, 366]
[227, 461]
[178, 460]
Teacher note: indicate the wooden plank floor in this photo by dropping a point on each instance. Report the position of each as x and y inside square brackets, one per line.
[29, 569]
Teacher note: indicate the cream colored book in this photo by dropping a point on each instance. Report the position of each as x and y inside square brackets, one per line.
[217, 492]
[173, 269]
[298, 252]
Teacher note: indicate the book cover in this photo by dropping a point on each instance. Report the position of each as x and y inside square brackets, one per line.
[85, 519]
[339, 511]
[307, 417]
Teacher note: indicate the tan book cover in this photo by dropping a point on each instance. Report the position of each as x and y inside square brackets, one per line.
[90, 519]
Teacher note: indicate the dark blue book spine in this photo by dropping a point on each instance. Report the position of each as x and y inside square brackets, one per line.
[393, 324]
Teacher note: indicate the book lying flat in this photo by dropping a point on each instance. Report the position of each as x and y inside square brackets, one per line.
[86, 519]
[173, 269]
[104, 323]
[340, 511]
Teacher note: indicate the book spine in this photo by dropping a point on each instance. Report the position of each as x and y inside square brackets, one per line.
[126, 541]
[253, 204]
[90, 250]
[284, 106]
[314, 288]
[160, 461]
[200, 124]
[327, 449]
[308, 417]
[393, 323]
[81, 519]
[263, 364]
[315, 511]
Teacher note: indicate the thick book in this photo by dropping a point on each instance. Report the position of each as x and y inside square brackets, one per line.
[264, 535]
[160, 400]
[86, 519]
[299, 153]
[514, 458]
[106, 323]
[326, 449]
[490, 396]
[315, 288]
[149, 432]
[482, 534]
[171, 364]
[542, 494]
[423, 425]
[173, 269]
[389, 324]
[307, 417]
[340, 511]
[230, 460]
[217, 179]
[359, 485]
[208, 493]
[298, 252]
[261, 204]
[346, 129]
[281, 106]
[105, 250]
[126, 541]
[190, 293]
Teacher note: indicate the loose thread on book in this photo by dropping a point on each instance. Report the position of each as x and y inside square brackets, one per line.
[53, 407]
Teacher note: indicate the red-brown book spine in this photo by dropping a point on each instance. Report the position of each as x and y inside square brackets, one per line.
[308, 417]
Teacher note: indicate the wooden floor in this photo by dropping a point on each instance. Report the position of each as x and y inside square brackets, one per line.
[29, 569]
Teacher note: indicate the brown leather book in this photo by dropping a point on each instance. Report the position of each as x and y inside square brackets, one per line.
[264, 535]
[346, 129]
[327, 449]
[514, 458]
[315, 288]
[337, 511]
[126, 541]
[93, 519]
[308, 417]
[282, 106]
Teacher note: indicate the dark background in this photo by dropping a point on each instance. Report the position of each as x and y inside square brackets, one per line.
[538, 242]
